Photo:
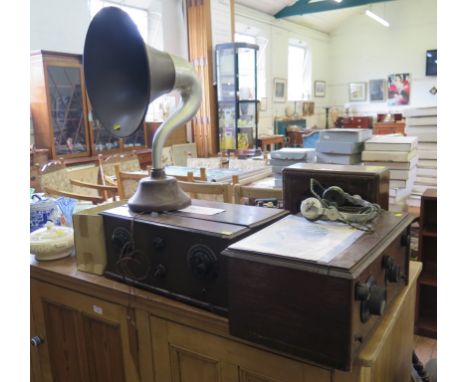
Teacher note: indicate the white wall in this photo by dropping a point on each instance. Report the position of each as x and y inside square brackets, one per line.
[278, 32]
[59, 25]
[361, 49]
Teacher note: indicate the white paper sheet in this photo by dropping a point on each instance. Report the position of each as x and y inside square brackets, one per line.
[297, 238]
[202, 210]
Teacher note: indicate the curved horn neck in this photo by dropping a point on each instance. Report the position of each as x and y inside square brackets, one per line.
[187, 83]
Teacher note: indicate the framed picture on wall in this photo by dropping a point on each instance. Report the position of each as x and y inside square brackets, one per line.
[357, 91]
[399, 89]
[319, 88]
[377, 90]
[279, 88]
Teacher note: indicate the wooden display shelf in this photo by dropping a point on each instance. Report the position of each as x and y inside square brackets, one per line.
[429, 232]
[428, 279]
[427, 327]
[426, 310]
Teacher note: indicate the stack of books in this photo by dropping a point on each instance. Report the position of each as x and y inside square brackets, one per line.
[286, 157]
[422, 123]
[341, 146]
[399, 154]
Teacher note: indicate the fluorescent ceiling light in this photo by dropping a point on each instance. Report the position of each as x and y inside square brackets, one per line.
[377, 18]
[320, 1]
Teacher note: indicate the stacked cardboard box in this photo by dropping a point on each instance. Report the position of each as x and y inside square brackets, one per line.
[341, 146]
[399, 154]
[422, 123]
[288, 156]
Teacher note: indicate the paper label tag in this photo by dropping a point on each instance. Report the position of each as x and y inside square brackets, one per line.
[202, 210]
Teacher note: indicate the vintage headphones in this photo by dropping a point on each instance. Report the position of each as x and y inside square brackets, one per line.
[337, 205]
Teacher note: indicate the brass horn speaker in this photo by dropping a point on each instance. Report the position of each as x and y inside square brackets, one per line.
[123, 76]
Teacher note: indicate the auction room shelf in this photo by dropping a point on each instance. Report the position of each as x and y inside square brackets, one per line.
[426, 311]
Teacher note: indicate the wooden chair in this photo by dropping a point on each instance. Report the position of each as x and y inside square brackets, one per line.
[57, 180]
[252, 178]
[191, 178]
[128, 162]
[241, 192]
[208, 191]
[127, 182]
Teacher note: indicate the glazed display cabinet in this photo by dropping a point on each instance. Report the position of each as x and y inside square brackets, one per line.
[62, 115]
[58, 104]
[236, 81]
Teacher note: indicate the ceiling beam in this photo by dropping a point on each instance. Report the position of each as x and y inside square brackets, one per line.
[302, 7]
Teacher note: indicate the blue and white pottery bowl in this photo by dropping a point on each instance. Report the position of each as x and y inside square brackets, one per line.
[42, 210]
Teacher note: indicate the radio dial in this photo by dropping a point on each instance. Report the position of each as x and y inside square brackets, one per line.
[120, 237]
[202, 262]
[158, 243]
[362, 292]
[392, 270]
[373, 298]
[377, 300]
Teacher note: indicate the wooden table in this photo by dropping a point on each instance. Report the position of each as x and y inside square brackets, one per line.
[268, 140]
[88, 327]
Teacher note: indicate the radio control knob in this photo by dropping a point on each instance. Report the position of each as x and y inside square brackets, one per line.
[362, 291]
[120, 237]
[392, 271]
[202, 262]
[405, 239]
[393, 274]
[160, 272]
[158, 243]
[377, 300]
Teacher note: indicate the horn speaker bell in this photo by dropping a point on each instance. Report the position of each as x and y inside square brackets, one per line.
[123, 76]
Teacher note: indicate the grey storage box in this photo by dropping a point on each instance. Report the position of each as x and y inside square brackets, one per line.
[333, 147]
[346, 135]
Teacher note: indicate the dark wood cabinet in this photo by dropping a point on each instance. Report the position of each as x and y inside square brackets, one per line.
[426, 310]
[354, 122]
[389, 128]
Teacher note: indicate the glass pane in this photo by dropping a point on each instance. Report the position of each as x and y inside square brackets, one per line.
[66, 104]
[227, 126]
[103, 138]
[246, 136]
[136, 140]
[247, 72]
[226, 75]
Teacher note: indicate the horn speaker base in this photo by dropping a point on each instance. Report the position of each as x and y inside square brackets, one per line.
[158, 193]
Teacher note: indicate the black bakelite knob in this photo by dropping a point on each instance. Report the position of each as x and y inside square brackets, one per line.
[392, 271]
[158, 243]
[362, 291]
[160, 272]
[393, 274]
[377, 300]
[202, 262]
[120, 237]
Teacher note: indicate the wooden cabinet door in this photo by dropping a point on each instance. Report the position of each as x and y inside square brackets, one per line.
[184, 354]
[83, 338]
